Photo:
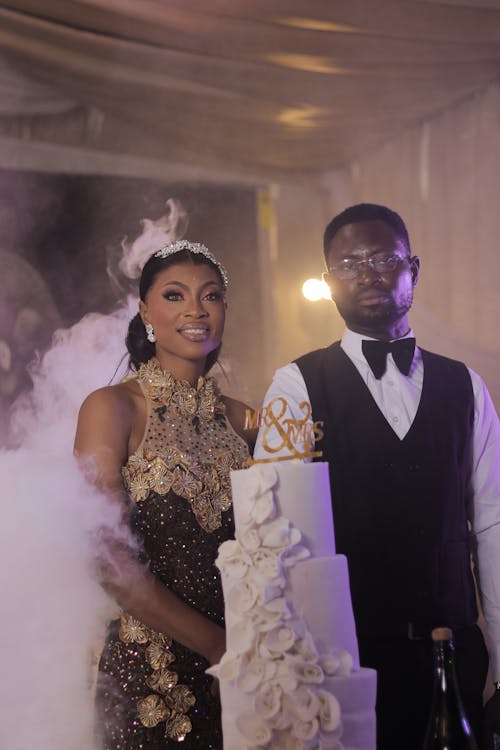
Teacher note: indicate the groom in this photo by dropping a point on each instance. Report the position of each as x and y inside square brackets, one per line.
[413, 443]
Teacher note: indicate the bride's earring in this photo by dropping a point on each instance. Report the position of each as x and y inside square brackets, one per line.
[150, 332]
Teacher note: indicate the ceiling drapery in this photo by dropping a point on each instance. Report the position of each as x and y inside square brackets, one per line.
[275, 90]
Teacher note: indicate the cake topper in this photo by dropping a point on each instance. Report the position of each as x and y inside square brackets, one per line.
[292, 432]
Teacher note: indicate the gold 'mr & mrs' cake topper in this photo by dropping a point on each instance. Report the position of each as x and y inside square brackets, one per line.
[292, 432]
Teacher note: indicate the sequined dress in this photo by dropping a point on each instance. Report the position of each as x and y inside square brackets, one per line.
[152, 692]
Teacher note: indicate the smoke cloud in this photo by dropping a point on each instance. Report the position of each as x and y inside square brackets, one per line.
[127, 261]
[54, 610]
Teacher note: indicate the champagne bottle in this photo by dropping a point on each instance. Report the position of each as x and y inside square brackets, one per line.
[448, 727]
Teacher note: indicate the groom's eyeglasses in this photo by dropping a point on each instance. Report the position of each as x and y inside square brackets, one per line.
[349, 268]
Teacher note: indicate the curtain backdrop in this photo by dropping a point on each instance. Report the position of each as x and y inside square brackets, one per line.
[276, 90]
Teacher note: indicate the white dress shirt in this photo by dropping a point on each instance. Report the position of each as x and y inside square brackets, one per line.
[398, 396]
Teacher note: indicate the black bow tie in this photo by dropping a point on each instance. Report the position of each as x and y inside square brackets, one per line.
[376, 354]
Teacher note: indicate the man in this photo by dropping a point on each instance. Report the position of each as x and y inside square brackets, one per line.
[413, 442]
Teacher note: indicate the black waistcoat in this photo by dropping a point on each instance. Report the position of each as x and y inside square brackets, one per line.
[399, 505]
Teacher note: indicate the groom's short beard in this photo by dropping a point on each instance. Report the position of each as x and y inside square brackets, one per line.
[383, 314]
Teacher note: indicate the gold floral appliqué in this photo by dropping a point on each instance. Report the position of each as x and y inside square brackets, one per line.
[169, 702]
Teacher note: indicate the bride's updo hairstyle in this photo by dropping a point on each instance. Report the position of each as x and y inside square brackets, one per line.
[182, 251]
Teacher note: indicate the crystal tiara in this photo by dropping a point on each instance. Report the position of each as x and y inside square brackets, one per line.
[197, 249]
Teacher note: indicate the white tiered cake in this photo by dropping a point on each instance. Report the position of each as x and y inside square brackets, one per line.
[290, 677]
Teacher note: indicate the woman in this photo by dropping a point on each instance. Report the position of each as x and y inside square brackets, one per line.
[169, 436]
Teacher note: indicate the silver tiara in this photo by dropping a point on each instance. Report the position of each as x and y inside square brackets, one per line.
[196, 248]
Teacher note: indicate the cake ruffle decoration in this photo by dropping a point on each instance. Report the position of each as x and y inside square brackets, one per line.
[271, 655]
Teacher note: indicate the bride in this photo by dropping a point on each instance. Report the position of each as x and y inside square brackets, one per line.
[162, 444]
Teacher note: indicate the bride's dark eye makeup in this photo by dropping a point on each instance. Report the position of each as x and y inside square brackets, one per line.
[173, 296]
[214, 296]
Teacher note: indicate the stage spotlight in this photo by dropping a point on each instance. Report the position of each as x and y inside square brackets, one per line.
[315, 289]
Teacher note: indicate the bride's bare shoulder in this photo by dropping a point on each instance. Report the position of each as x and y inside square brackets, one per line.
[113, 400]
[109, 416]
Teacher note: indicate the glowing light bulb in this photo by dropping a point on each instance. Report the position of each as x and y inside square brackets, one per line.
[315, 289]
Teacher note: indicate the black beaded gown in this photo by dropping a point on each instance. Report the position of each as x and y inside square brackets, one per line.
[152, 692]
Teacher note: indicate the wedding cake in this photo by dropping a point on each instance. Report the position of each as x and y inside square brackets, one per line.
[290, 677]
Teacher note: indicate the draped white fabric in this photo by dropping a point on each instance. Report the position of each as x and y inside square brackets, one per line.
[275, 89]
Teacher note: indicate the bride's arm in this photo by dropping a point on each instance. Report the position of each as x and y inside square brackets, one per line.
[102, 436]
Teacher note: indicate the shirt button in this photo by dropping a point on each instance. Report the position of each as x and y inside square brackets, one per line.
[390, 382]
[395, 419]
